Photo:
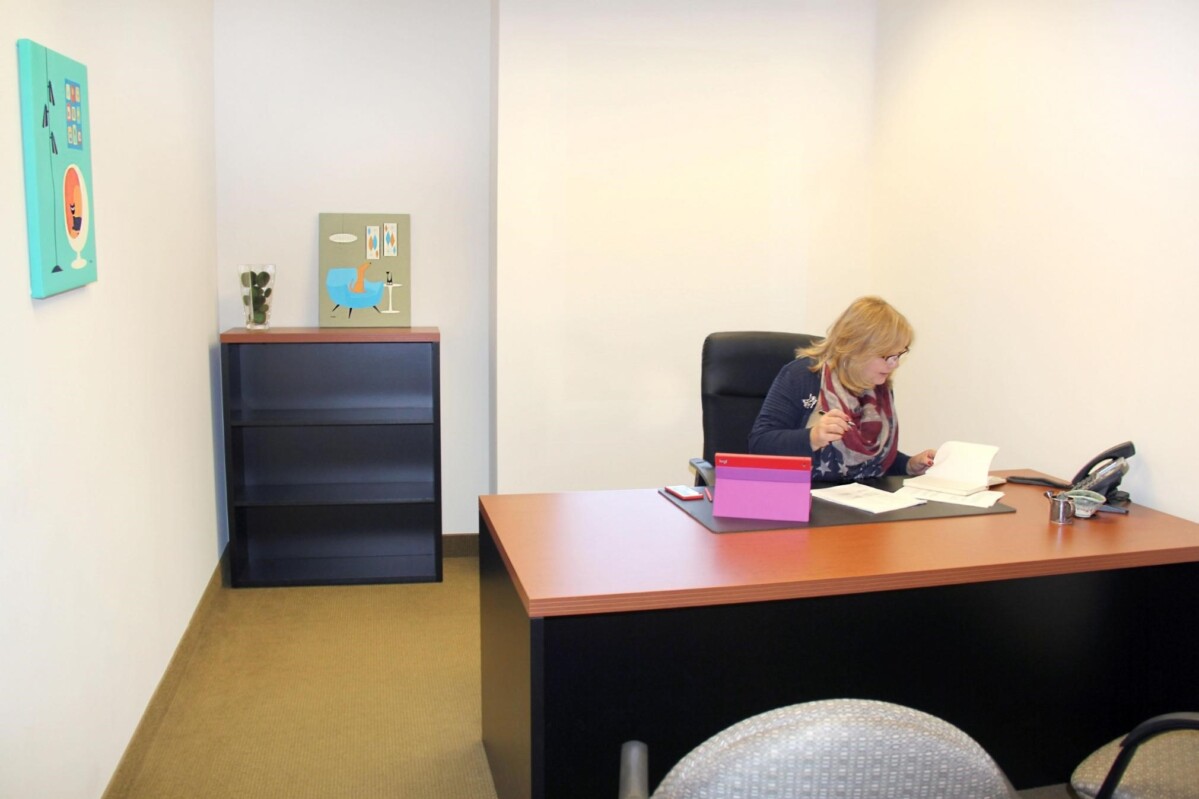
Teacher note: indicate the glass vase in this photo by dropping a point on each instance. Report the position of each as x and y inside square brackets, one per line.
[257, 290]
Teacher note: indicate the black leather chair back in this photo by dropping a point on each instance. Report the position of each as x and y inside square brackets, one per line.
[735, 374]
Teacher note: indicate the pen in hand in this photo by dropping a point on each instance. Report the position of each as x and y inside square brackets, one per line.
[829, 426]
[845, 418]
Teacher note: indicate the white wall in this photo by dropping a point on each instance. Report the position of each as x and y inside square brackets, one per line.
[1016, 177]
[365, 106]
[108, 529]
[665, 168]
[1036, 207]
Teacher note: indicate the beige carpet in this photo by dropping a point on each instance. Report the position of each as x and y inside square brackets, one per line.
[363, 691]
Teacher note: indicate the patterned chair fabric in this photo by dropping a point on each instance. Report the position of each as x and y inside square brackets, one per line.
[838, 749]
[1165, 767]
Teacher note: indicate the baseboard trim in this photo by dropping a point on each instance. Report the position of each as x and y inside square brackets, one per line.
[130, 765]
[460, 545]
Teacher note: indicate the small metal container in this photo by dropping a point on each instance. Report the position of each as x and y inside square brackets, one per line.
[1061, 509]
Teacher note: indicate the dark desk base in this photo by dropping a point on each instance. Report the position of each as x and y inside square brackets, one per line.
[1039, 671]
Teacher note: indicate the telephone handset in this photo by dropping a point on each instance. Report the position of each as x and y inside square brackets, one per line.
[1101, 474]
[1104, 472]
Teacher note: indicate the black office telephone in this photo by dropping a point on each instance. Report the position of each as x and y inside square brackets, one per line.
[1101, 474]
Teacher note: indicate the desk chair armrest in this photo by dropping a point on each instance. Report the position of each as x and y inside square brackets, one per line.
[1142, 733]
[634, 770]
[705, 474]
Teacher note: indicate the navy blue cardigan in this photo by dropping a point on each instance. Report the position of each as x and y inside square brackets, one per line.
[782, 425]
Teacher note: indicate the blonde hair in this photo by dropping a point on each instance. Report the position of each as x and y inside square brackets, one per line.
[869, 327]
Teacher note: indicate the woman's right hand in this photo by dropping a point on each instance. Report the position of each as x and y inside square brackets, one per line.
[829, 428]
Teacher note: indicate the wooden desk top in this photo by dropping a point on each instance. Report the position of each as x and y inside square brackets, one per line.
[612, 551]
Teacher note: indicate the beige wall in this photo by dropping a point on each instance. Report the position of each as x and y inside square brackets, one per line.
[1017, 177]
[665, 169]
[108, 528]
[1035, 209]
[368, 106]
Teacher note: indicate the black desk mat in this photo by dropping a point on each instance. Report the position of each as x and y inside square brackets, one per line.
[830, 514]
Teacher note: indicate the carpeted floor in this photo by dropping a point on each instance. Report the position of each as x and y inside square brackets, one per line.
[362, 691]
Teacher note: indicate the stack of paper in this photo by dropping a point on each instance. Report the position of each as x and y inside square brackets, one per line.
[873, 500]
[979, 499]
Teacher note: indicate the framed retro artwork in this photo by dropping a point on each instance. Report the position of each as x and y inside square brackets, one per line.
[365, 270]
[56, 143]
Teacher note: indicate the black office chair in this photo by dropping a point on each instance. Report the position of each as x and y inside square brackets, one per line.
[736, 371]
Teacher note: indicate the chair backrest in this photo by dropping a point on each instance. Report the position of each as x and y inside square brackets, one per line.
[838, 748]
[736, 371]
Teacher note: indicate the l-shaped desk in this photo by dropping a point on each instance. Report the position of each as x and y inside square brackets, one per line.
[612, 615]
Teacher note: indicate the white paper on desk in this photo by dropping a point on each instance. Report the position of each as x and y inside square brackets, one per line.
[958, 468]
[872, 500]
[979, 499]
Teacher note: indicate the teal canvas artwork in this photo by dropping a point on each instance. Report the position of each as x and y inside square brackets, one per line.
[57, 149]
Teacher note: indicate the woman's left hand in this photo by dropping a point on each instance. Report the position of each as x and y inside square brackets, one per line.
[918, 464]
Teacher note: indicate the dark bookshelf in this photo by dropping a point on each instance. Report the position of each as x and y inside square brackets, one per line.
[332, 455]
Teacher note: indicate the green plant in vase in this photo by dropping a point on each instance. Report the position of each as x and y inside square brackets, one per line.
[257, 285]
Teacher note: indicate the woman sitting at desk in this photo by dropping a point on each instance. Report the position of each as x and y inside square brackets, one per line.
[834, 403]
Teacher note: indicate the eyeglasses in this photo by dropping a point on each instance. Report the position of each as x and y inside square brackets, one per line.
[893, 360]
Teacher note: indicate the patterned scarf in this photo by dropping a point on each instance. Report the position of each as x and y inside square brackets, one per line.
[868, 448]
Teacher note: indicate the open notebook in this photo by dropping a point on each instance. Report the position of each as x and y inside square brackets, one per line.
[958, 468]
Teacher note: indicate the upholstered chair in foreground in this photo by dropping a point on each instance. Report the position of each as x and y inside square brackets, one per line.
[831, 749]
[1157, 760]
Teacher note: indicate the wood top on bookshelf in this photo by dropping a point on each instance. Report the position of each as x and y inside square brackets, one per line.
[331, 335]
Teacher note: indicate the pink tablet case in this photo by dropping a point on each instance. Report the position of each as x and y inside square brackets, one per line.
[775, 487]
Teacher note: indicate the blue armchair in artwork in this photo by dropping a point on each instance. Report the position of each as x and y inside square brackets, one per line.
[348, 286]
